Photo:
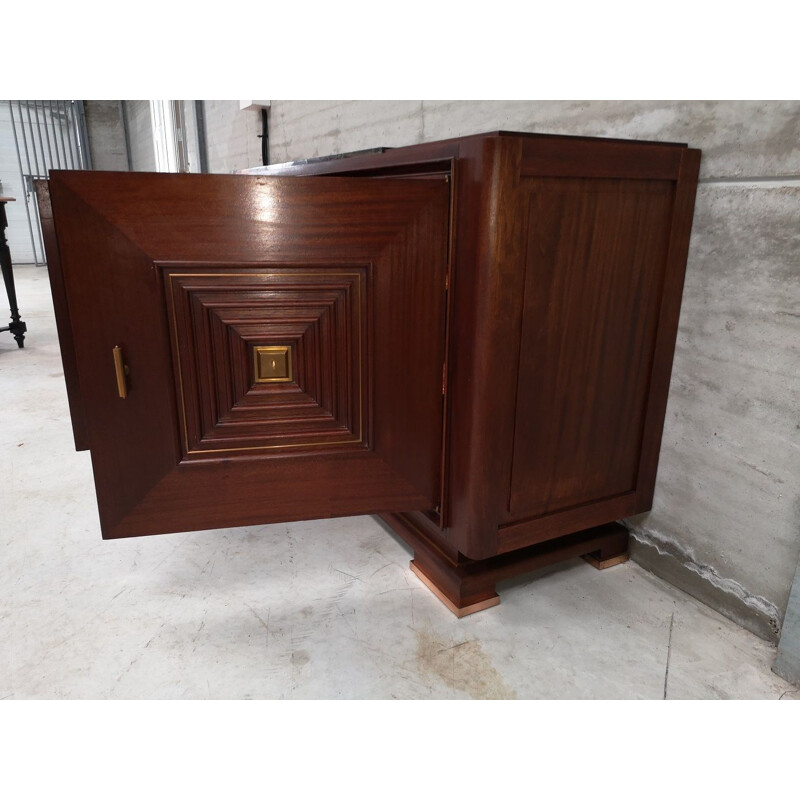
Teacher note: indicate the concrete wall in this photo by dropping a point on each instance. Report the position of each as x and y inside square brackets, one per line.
[725, 524]
[738, 139]
[232, 136]
[726, 514]
[140, 134]
[106, 134]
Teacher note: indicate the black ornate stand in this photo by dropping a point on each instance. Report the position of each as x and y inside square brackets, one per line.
[17, 327]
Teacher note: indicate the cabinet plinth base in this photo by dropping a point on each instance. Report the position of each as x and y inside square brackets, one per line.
[459, 611]
[465, 585]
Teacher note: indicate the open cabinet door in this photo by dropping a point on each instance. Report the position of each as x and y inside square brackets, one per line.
[253, 349]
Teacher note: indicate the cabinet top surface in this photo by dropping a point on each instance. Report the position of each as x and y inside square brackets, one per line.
[378, 151]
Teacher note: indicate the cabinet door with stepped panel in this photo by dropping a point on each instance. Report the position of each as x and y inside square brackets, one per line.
[252, 350]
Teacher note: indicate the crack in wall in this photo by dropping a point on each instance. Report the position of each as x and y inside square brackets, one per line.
[668, 546]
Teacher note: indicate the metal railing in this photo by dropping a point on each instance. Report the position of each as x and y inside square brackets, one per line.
[49, 134]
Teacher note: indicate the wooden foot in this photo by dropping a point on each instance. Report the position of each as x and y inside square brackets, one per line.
[611, 554]
[607, 562]
[459, 611]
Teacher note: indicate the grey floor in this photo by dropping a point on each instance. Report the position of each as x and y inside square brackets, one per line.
[325, 609]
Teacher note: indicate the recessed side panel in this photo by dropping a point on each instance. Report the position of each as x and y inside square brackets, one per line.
[595, 267]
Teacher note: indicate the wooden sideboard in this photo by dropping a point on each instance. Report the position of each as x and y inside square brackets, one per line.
[472, 338]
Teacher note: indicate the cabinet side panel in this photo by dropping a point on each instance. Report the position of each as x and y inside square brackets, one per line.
[594, 276]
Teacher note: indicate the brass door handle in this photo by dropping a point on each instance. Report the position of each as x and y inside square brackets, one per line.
[122, 370]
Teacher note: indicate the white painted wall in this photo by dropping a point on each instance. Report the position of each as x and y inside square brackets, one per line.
[232, 136]
[18, 233]
[140, 131]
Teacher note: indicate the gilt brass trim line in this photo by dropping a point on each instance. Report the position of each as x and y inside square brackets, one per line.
[180, 368]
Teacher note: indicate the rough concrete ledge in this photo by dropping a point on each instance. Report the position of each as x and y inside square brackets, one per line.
[673, 563]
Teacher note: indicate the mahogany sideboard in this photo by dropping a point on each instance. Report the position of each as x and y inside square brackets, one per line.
[471, 338]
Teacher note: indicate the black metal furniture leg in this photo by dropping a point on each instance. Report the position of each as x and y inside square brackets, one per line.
[16, 327]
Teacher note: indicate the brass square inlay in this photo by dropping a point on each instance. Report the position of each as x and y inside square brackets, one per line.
[272, 364]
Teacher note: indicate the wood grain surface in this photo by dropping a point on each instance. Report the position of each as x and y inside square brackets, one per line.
[121, 236]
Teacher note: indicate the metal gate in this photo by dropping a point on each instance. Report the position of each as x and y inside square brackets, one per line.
[49, 134]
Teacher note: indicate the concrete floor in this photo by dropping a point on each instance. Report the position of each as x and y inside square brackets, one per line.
[325, 609]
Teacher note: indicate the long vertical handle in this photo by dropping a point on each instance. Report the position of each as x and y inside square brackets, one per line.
[122, 371]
